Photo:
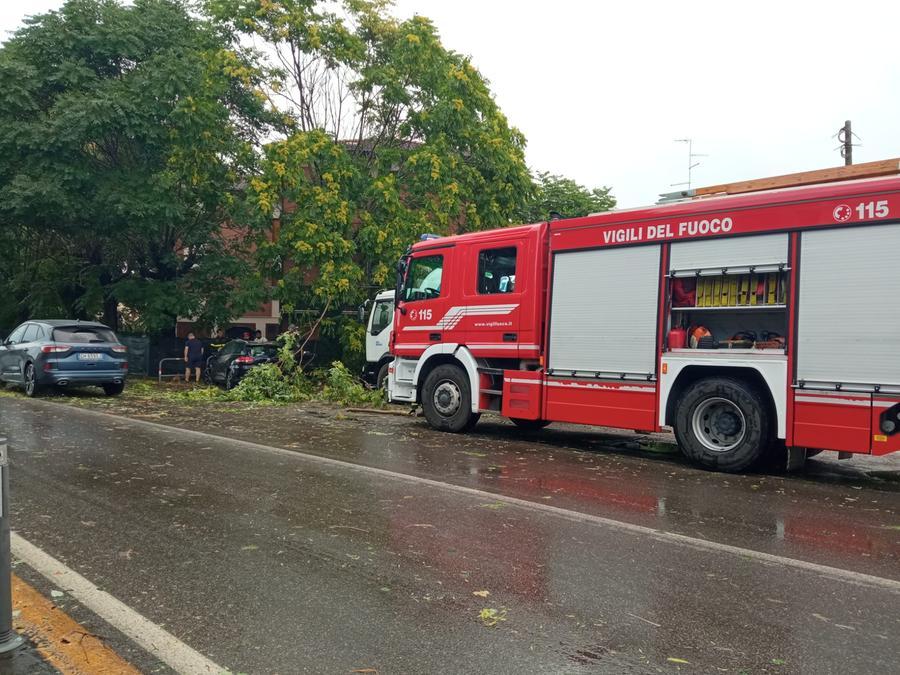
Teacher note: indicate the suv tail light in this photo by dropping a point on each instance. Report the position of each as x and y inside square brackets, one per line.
[121, 349]
[55, 349]
[244, 359]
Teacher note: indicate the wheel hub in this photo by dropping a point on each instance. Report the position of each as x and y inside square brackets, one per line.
[719, 424]
[727, 423]
[447, 398]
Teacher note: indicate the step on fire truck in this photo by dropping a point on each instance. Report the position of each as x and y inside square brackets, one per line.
[752, 318]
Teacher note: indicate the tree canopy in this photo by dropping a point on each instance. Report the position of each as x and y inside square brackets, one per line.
[557, 194]
[126, 133]
[387, 135]
[154, 165]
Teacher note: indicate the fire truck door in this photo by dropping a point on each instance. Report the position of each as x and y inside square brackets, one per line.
[491, 324]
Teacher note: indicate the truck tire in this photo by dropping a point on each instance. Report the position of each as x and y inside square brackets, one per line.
[447, 399]
[723, 424]
[529, 425]
[381, 378]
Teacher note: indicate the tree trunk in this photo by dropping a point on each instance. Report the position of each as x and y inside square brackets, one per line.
[111, 312]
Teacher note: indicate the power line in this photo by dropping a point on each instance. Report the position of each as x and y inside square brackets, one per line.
[845, 135]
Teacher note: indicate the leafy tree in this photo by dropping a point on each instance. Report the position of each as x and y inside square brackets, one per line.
[387, 135]
[126, 135]
[565, 197]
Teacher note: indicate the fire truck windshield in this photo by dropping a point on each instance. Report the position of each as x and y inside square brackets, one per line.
[423, 280]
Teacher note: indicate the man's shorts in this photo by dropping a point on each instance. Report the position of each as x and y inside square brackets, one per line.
[195, 362]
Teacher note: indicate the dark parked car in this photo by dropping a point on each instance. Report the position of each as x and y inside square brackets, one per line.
[231, 363]
[38, 354]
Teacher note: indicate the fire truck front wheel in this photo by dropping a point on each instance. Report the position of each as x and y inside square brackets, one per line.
[723, 424]
[447, 399]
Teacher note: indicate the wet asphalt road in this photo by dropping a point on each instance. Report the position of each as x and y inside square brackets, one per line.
[275, 562]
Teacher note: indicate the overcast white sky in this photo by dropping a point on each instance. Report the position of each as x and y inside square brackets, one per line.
[602, 89]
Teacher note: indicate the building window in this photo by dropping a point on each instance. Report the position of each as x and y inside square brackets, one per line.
[497, 270]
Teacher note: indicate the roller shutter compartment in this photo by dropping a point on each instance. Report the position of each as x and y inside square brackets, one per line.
[603, 312]
[763, 251]
[848, 318]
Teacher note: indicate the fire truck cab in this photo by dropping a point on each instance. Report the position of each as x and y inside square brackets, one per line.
[750, 323]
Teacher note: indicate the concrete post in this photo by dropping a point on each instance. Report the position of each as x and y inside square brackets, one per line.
[9, 639]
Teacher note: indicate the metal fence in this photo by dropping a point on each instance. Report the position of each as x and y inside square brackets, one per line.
[138, 353]
[167, 370]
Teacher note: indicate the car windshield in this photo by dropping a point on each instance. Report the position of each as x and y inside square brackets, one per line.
[258, 351]
[83, 335]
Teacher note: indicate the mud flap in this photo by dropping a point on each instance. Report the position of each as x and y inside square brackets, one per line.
[793, 459]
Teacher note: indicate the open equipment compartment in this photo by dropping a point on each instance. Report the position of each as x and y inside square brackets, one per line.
[730, 295]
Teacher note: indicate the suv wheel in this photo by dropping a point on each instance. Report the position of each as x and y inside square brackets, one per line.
[32, 388]
[113, 389]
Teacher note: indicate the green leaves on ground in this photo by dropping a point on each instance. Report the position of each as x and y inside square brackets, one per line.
[341, 386]
[267, 382]
[490, 617]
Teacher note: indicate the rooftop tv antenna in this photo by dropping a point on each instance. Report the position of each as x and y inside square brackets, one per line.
[691, 163]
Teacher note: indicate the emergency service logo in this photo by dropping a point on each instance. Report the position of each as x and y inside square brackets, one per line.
[842, 213]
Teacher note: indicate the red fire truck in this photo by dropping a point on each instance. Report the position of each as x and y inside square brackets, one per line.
[749, 320]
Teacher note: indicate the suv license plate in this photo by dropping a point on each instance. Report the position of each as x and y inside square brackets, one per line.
[90, 356]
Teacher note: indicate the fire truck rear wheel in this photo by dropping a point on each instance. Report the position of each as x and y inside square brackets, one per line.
[723, 424]
[447, 399]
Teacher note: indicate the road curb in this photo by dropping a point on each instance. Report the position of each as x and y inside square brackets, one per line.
[64, 643]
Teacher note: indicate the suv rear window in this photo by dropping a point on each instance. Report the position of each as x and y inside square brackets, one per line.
[83, 335]
[263, 350]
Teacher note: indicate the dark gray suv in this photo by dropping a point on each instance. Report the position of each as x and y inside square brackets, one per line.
[38, 354]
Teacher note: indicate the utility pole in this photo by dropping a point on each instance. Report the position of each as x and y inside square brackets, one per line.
[845, 136]
[691, 163]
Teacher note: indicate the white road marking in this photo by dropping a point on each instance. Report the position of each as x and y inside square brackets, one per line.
[835, 573]
[157, 641]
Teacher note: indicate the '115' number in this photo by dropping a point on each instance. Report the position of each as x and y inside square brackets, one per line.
[877, 209]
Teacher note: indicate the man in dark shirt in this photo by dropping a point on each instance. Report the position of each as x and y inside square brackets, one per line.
[193, 357]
